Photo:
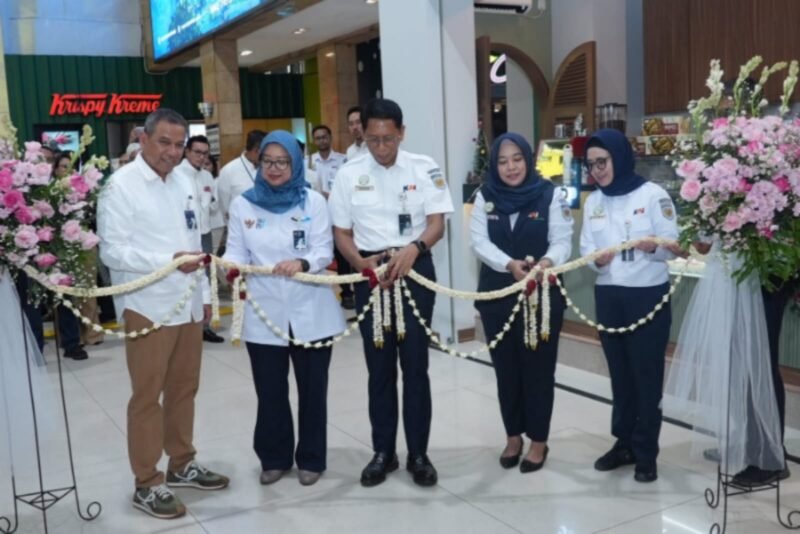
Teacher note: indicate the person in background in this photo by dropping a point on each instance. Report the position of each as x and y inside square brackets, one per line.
[356, 129]
[238, 175]
[147, 217]
[291, 231]
[195, 156]
[517, 214]
[629, 285]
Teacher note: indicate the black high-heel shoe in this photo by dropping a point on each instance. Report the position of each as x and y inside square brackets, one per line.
[507, 462]
[529, 467]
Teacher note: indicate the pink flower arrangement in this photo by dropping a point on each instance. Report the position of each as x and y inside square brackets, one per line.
[45, 221]
[742, 176]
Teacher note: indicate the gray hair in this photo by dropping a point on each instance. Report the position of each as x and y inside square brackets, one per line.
[164, 114]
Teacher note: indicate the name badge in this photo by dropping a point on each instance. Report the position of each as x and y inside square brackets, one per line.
[404, 224]
[299, 239]
[191, 219]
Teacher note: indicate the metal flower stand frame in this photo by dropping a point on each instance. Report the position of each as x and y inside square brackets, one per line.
[43, 499]
[726, 487]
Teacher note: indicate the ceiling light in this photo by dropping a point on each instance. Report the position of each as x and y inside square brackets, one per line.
[299, 31]
[244, 53]
[330, 54]
[371, 2]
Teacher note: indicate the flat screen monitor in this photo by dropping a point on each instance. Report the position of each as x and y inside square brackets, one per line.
[177, 24]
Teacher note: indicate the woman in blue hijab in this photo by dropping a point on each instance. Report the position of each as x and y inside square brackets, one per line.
[628, 287]
[280, 222]
[518, 214]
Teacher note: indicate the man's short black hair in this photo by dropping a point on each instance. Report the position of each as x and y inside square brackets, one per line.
[254, 138]
[354, 109]
[321, 127]
[382, 108]
[196, 139]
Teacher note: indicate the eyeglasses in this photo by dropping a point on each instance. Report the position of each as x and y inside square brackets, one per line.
[280, 164]
[200, 152]
[599, 163]
[389, 140]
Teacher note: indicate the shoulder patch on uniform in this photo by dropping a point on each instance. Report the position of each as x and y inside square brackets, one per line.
[439, 182]
[666, 208]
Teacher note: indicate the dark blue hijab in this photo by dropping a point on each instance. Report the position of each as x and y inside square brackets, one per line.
[284, 197]
[625, 178]
[509, 199]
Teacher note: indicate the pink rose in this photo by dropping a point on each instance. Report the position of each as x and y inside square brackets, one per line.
[782, 184]
[40, 174]
[690, 168]
[6, 180]
[732, 222]
[60, 279]
[721, 122]
[89, 240]
[92, 176]
[71, 231]
[690, 190]
[12, 199]
[45, 260]
[727, 165]
[25, 215]
[26, 237]
[78, 184]
[45, 234]
[44, 208]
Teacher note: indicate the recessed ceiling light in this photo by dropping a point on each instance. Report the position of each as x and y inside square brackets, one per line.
[371, 2]
[330, 54]
[245, 53]
[299, 31]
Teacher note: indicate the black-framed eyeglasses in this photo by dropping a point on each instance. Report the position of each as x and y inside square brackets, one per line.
[599, 164]
[203, 153]
[388, 140]
[280, 164]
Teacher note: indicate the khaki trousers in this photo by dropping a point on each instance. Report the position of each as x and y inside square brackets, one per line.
[166, 362]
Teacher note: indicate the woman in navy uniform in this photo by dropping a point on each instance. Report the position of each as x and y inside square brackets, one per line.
[280, 222]
[629, 286]
[517, 215]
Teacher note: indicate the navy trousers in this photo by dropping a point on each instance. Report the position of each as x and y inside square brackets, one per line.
[273, 439]
[635, 364]
[412, 352]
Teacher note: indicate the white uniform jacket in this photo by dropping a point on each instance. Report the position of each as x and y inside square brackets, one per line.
[259, 237]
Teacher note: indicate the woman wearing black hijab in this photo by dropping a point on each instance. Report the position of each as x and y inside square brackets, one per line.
[628, 287]
[516, 215]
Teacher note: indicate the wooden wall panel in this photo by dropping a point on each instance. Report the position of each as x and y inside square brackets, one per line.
[666, 52]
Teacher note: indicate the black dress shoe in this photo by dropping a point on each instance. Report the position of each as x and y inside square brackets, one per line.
[646, 473]
[211, 336]
[421, 467]
[616, 457]
[348, 302]
[507, 462]
[381, 464]
[529, 467]
[754, 477]
[76, 354]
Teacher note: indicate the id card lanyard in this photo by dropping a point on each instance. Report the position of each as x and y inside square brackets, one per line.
[404, 218]
[299, 234]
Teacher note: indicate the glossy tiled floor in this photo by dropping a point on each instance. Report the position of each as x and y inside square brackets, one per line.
[474, 494]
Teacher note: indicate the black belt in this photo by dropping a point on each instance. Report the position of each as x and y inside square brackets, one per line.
[367, 253]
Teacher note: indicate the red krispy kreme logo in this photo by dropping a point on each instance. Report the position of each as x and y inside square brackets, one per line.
[100, 104]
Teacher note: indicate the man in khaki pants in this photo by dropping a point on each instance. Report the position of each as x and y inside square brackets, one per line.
[147, 216]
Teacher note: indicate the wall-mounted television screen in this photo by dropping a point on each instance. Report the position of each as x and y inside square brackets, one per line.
[177, 24]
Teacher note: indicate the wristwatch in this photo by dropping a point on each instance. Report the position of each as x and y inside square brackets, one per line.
[421, 246]
[304, 265]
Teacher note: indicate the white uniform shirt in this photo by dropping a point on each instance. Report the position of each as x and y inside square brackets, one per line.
[326, 169]
[205, 187]
[610, 220]
[142, 223]
[559, 234]
[354, 151]
[370, 199]
[236, 177]
[259, 237]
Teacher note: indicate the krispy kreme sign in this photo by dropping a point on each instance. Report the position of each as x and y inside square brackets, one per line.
[103, 104]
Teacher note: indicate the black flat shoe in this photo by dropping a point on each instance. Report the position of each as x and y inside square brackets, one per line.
[381, 464]
[422, 469]
[754, 477]
[529, 467]
[616, 457]
[211, 336]
[646, 473]
[507, 462]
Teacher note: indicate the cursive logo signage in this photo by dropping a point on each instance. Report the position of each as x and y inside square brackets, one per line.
[100, 104]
